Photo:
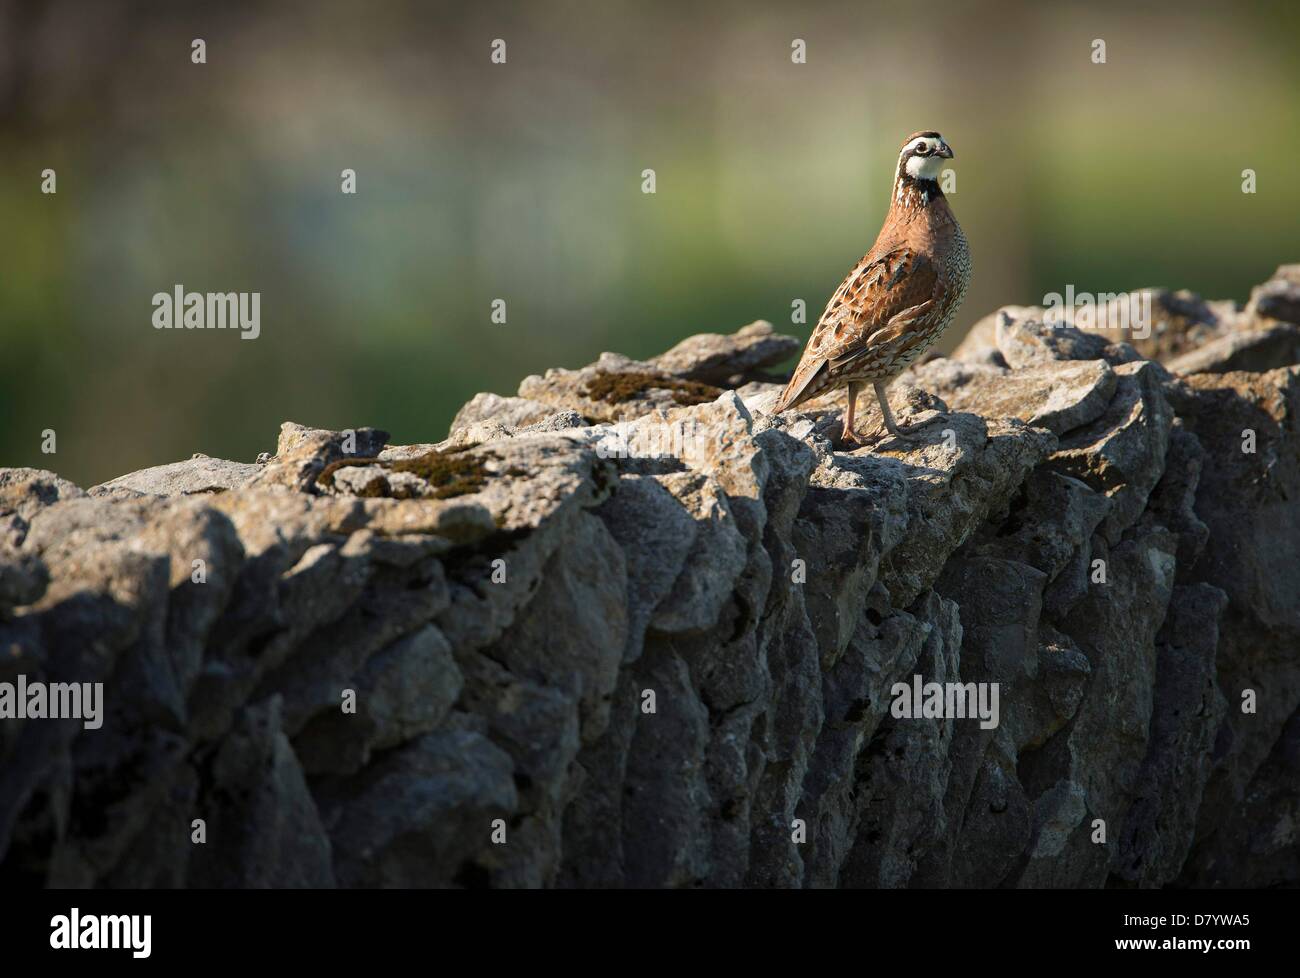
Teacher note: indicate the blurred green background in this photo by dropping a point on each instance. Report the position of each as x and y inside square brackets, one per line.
[522, 181]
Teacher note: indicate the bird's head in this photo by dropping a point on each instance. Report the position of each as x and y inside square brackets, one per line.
[922, 156]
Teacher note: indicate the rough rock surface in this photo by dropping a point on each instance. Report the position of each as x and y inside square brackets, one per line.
[627, 629]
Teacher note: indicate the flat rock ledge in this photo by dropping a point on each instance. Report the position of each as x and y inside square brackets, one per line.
[626, 628]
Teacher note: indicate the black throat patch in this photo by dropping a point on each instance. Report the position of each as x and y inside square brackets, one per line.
[912, 192]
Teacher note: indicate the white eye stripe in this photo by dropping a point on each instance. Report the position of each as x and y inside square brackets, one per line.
[928, 143]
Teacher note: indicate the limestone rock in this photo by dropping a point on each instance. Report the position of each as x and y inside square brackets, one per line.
[711, 358]
[1122, 453]
[648, 633]
[1254, 349]
[510, 412]
[1279, 297]
[1053, 395]
[196, 475]
[615, 388]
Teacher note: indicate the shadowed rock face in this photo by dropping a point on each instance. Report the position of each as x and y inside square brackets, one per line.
[626, 628]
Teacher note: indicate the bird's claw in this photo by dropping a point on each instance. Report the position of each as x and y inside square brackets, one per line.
[851, 437]
[907, 432]
[904, 433]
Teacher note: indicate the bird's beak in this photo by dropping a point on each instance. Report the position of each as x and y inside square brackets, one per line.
[945, 151]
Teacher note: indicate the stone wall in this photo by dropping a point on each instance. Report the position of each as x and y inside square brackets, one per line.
[627, 629]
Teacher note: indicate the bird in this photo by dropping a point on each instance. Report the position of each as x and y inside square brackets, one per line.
[897, 300]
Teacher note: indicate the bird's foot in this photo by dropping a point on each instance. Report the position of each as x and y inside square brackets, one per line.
[908, 432]
[850, 437]
[869, 440]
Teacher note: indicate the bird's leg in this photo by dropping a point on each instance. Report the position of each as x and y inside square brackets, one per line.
[849, 435]
[903, 432]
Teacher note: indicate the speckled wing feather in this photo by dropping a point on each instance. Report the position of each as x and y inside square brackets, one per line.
[868, 321]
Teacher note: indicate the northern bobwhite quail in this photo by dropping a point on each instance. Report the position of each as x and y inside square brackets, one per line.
[897, 300]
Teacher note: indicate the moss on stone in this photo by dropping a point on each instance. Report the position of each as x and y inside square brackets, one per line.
[615, 388]
[450, 473]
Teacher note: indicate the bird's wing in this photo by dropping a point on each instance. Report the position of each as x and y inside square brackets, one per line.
[868, 316]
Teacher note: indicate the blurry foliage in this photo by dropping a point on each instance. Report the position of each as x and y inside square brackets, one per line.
[522, 181]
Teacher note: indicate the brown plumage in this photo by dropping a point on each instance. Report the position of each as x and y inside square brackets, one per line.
[898, 299]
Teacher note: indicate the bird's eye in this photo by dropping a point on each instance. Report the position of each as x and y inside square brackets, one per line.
[923, 150]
